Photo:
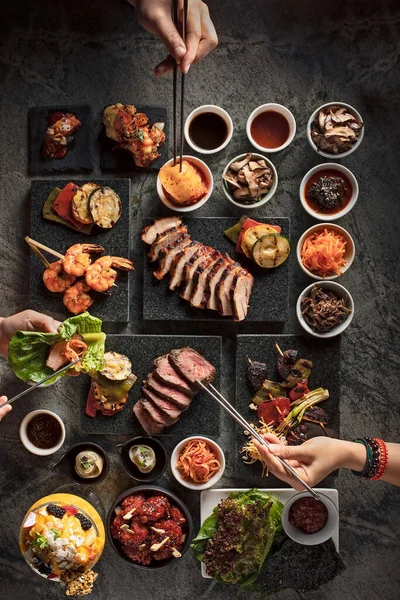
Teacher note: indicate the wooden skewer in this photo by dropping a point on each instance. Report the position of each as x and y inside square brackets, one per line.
[40, 255]
[279, 350]
[32, 243]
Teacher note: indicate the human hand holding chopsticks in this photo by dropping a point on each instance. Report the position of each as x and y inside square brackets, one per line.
[28, 320]
[156, 17]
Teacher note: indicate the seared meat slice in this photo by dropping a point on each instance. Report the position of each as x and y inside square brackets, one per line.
[166, 374]
[179, 398]
[180, 261]
[149, 425]
[192, 365]
[164, 406]
[188, 278]
[200, 278]
[160, 418]
[164, 239]
[169, 253]
[240, 294]
[158, 226]
[224, 289]
[215, 276]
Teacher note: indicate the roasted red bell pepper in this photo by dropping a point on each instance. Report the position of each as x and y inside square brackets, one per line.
[246, 225]
[62, 204]
[299, 390]
[273, 412]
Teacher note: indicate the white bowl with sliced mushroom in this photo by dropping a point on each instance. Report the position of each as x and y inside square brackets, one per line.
[249, 180]
[335, 130]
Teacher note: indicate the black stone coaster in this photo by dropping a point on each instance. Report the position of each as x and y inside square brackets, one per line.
[115, 241]
[117, 160]
[325, 355]
[79, 157]
[202, 418]
[269, 298]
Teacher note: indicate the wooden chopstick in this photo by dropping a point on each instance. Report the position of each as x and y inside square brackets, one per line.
[218, 397]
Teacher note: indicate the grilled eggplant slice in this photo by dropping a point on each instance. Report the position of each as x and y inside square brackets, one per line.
[271, 250]
[117, 367]
[80, 207]
[252, 234]
[105, 207]
[106, 390]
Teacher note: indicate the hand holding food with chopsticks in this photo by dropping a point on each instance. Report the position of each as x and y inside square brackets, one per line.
[28, 320]
[201, 37]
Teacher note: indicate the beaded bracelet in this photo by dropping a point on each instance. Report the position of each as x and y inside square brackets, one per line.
[368, 462]
[377, 458]
[383, 452]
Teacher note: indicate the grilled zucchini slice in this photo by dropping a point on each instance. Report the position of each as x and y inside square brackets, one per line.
[116, 366]
[252, 234]
[105, 207]
[80, 207]
[271, 251]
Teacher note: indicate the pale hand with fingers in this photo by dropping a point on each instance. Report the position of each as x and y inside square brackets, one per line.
[27, 320]
[5, 409]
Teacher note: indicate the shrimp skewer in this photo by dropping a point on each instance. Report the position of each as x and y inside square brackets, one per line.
[101, 276]
[56, 279]
[76, 300]
[77, 258]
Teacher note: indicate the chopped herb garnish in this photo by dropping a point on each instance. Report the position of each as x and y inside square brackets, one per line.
[56, 533]
[40, 541]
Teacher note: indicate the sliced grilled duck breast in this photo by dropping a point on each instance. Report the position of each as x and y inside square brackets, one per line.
[188, 254]
[189, 273]
[169, 253]
[213, 280]
[200, 277]
[164, 406]
[192, 365]
[179, 398]
[164, 372]
[224, 290]
[240, 294]
[150, 426]
[150, 232]
[164, 239]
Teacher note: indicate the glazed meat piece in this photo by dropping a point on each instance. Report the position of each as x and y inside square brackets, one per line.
[183, 258]
[135, 535]
[179, 398]
[168, 254]
[166, 407]
[171, 530]
[165, 372]
[141, 555]
[176, 515]
[192, 365]
[132, 502]
[163, 240]
[154, 509]
[150, 232]
[224, 289]
[189, 273]
[199, 298]
[116, 524]
[215, 276]
[59, 134]
[240, 294]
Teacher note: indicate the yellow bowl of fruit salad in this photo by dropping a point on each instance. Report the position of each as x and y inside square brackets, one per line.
[62, 537]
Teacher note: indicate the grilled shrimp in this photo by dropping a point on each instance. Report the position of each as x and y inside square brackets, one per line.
[56, 279]
[76, 300]
[77, 259]
[100, 275]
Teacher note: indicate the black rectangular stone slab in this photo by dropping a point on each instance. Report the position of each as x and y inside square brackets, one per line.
[269, 298]
[201, 418]
[116, 242]
[325, 355]
[79, 157]
[117, 160]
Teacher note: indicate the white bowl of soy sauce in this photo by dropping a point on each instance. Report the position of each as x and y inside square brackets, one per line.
[208, 129]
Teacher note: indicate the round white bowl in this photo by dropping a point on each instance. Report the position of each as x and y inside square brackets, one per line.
[209, 108]
[201, 166]
[330, 154]
[194, 486]
[264, 199]
[339, 169]
[340, 291]
[349, 254]
[311, 539]
[28, 444]
[279, 108]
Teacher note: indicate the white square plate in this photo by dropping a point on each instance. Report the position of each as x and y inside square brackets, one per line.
[209, 499]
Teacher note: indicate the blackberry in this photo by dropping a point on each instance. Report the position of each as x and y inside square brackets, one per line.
[85, 523]
[56, 511]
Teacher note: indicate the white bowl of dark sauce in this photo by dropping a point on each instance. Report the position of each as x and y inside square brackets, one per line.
[271, 127]
[328, 191]
[310, 524]
[208, 129]
[42, 432]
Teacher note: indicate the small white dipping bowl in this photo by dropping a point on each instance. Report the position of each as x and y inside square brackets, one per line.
[264, 199]
[311, 539]
[279, 108]
[349, 253]
[331, 167]
[188, 484]
[28, 444]
[330, 154]
[201, 166]
[209, 108]
[340, 291]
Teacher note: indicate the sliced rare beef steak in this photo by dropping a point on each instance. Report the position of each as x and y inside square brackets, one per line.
[192, 365]
[160, 418]
[148, 424]
[165, 372]
[150, 232]
[179, 398]
[167, 408]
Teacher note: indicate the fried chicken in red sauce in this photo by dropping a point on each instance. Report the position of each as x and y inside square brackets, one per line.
[62, 127]
[154, 508]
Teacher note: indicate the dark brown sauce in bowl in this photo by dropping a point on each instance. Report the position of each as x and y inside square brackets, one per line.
[270, 129]
[309, 515]
[44, 431]
[329, 179]
[208, 130]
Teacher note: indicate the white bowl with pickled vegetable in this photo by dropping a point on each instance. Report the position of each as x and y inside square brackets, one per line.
[186, 482]
[342, 293]
[229, 193]
[349, 252]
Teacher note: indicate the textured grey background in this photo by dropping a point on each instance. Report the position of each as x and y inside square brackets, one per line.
[298, 52]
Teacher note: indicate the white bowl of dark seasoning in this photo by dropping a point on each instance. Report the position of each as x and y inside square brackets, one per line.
[229, 190]
[42, 432]
[341, 293]
[208, 129]
[347, 190]
[271, 127]
[191, 485]
[206, 176]
[313, 124]
[311, 539]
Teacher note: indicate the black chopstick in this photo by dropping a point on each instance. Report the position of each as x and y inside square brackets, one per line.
[185, 13]
[175, 79]
[175, 85]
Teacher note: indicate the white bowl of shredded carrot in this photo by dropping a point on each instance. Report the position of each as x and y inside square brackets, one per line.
[197, 463]
[325, 251]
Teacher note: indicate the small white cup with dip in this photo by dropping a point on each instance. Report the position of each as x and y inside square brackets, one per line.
[204, 110]
[30, 446]
[272, 107]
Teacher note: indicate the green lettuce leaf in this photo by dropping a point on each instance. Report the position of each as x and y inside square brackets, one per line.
[206, 532]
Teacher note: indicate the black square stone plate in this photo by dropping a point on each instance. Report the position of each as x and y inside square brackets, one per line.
[117, 160]
[79, 157]
[269, 298]
[325, 355]
[202, 418]
[116, 242]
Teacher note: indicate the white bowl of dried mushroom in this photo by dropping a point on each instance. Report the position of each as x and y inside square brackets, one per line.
[249, 180]
[325, 309]
[335, 130]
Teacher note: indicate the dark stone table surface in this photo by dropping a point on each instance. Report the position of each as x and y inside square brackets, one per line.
[301, 53]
